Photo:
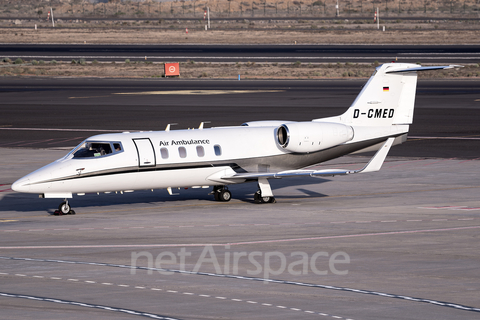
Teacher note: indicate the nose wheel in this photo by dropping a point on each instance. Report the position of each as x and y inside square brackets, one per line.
[63, 209]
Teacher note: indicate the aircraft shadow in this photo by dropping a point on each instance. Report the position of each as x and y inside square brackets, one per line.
[21, 202]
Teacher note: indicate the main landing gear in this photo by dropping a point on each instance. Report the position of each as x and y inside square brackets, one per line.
[63, 209]
[221, 193]
[257, 198]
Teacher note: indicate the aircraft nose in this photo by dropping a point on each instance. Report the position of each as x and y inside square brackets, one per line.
[21, 185]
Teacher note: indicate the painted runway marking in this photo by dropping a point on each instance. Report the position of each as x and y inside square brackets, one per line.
[185, 293]
[241, 243]
[444, 138]
[88, 305]
[276, 281]
[198, 92]
[253, 225]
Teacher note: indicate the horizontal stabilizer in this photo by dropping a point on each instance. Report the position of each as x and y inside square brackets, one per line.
[373, 165]
[420, 68]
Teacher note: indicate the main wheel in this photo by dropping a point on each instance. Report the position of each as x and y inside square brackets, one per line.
[64, 208]
[225, 195]
[257, 197]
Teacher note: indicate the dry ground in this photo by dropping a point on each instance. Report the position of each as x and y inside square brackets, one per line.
[224, 70]
[165, 36]
[191, 69]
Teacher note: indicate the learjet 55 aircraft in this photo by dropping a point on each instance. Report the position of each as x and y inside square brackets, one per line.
[255, 151]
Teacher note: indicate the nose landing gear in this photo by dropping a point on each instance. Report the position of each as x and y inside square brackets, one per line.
[63, 209]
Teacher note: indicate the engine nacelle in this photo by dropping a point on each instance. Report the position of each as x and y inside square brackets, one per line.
[305, 137]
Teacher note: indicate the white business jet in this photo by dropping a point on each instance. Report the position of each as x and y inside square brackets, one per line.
[255, 151]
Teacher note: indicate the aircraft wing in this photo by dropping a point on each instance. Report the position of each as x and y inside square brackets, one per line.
[373, 165]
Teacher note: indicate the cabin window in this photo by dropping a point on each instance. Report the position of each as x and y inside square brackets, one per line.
[182, 152]
[200, 151]
[164, 153]
[117, 147]
[217, 149]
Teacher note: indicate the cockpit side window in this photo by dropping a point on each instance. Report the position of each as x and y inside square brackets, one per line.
[93, 149]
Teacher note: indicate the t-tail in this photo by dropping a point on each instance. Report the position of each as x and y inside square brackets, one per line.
[388, 98]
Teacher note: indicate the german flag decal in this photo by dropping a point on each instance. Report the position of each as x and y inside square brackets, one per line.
[386, 89]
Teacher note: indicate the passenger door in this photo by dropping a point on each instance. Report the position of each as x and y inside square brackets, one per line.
[146, 152]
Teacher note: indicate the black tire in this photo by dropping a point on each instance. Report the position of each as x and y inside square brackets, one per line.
[257, 197]
[64, 208]
[72, 212]
[225, 195]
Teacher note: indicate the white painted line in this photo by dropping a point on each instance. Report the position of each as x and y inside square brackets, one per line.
[137, 287]
[72, 280]
[107, 283]
[123, 285]
[156, 289]
[281, 307]
[266, 304]
[55, 278]
[222, 298]
[172, 291]
[188, 293]
[204, 295]
[252, 302]
[89, 281]
[21, 275]
[236, 299]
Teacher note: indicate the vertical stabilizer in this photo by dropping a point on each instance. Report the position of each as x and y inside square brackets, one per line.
[388, 98]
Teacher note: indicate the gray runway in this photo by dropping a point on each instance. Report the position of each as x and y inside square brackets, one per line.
[397, 244]
[62, 112]
[401, 243]
[439, 54]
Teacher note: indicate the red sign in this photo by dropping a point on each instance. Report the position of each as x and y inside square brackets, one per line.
[172, 69]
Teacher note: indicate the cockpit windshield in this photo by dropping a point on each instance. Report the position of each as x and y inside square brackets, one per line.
[93, 149]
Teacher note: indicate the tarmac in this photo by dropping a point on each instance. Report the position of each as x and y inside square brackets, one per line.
[401, 243]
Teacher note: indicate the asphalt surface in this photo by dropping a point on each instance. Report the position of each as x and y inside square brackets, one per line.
[398, 244]
[401, 243]
[62, 112]
[449, 54]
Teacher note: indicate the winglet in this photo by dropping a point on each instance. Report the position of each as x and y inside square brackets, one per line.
[377, 161]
